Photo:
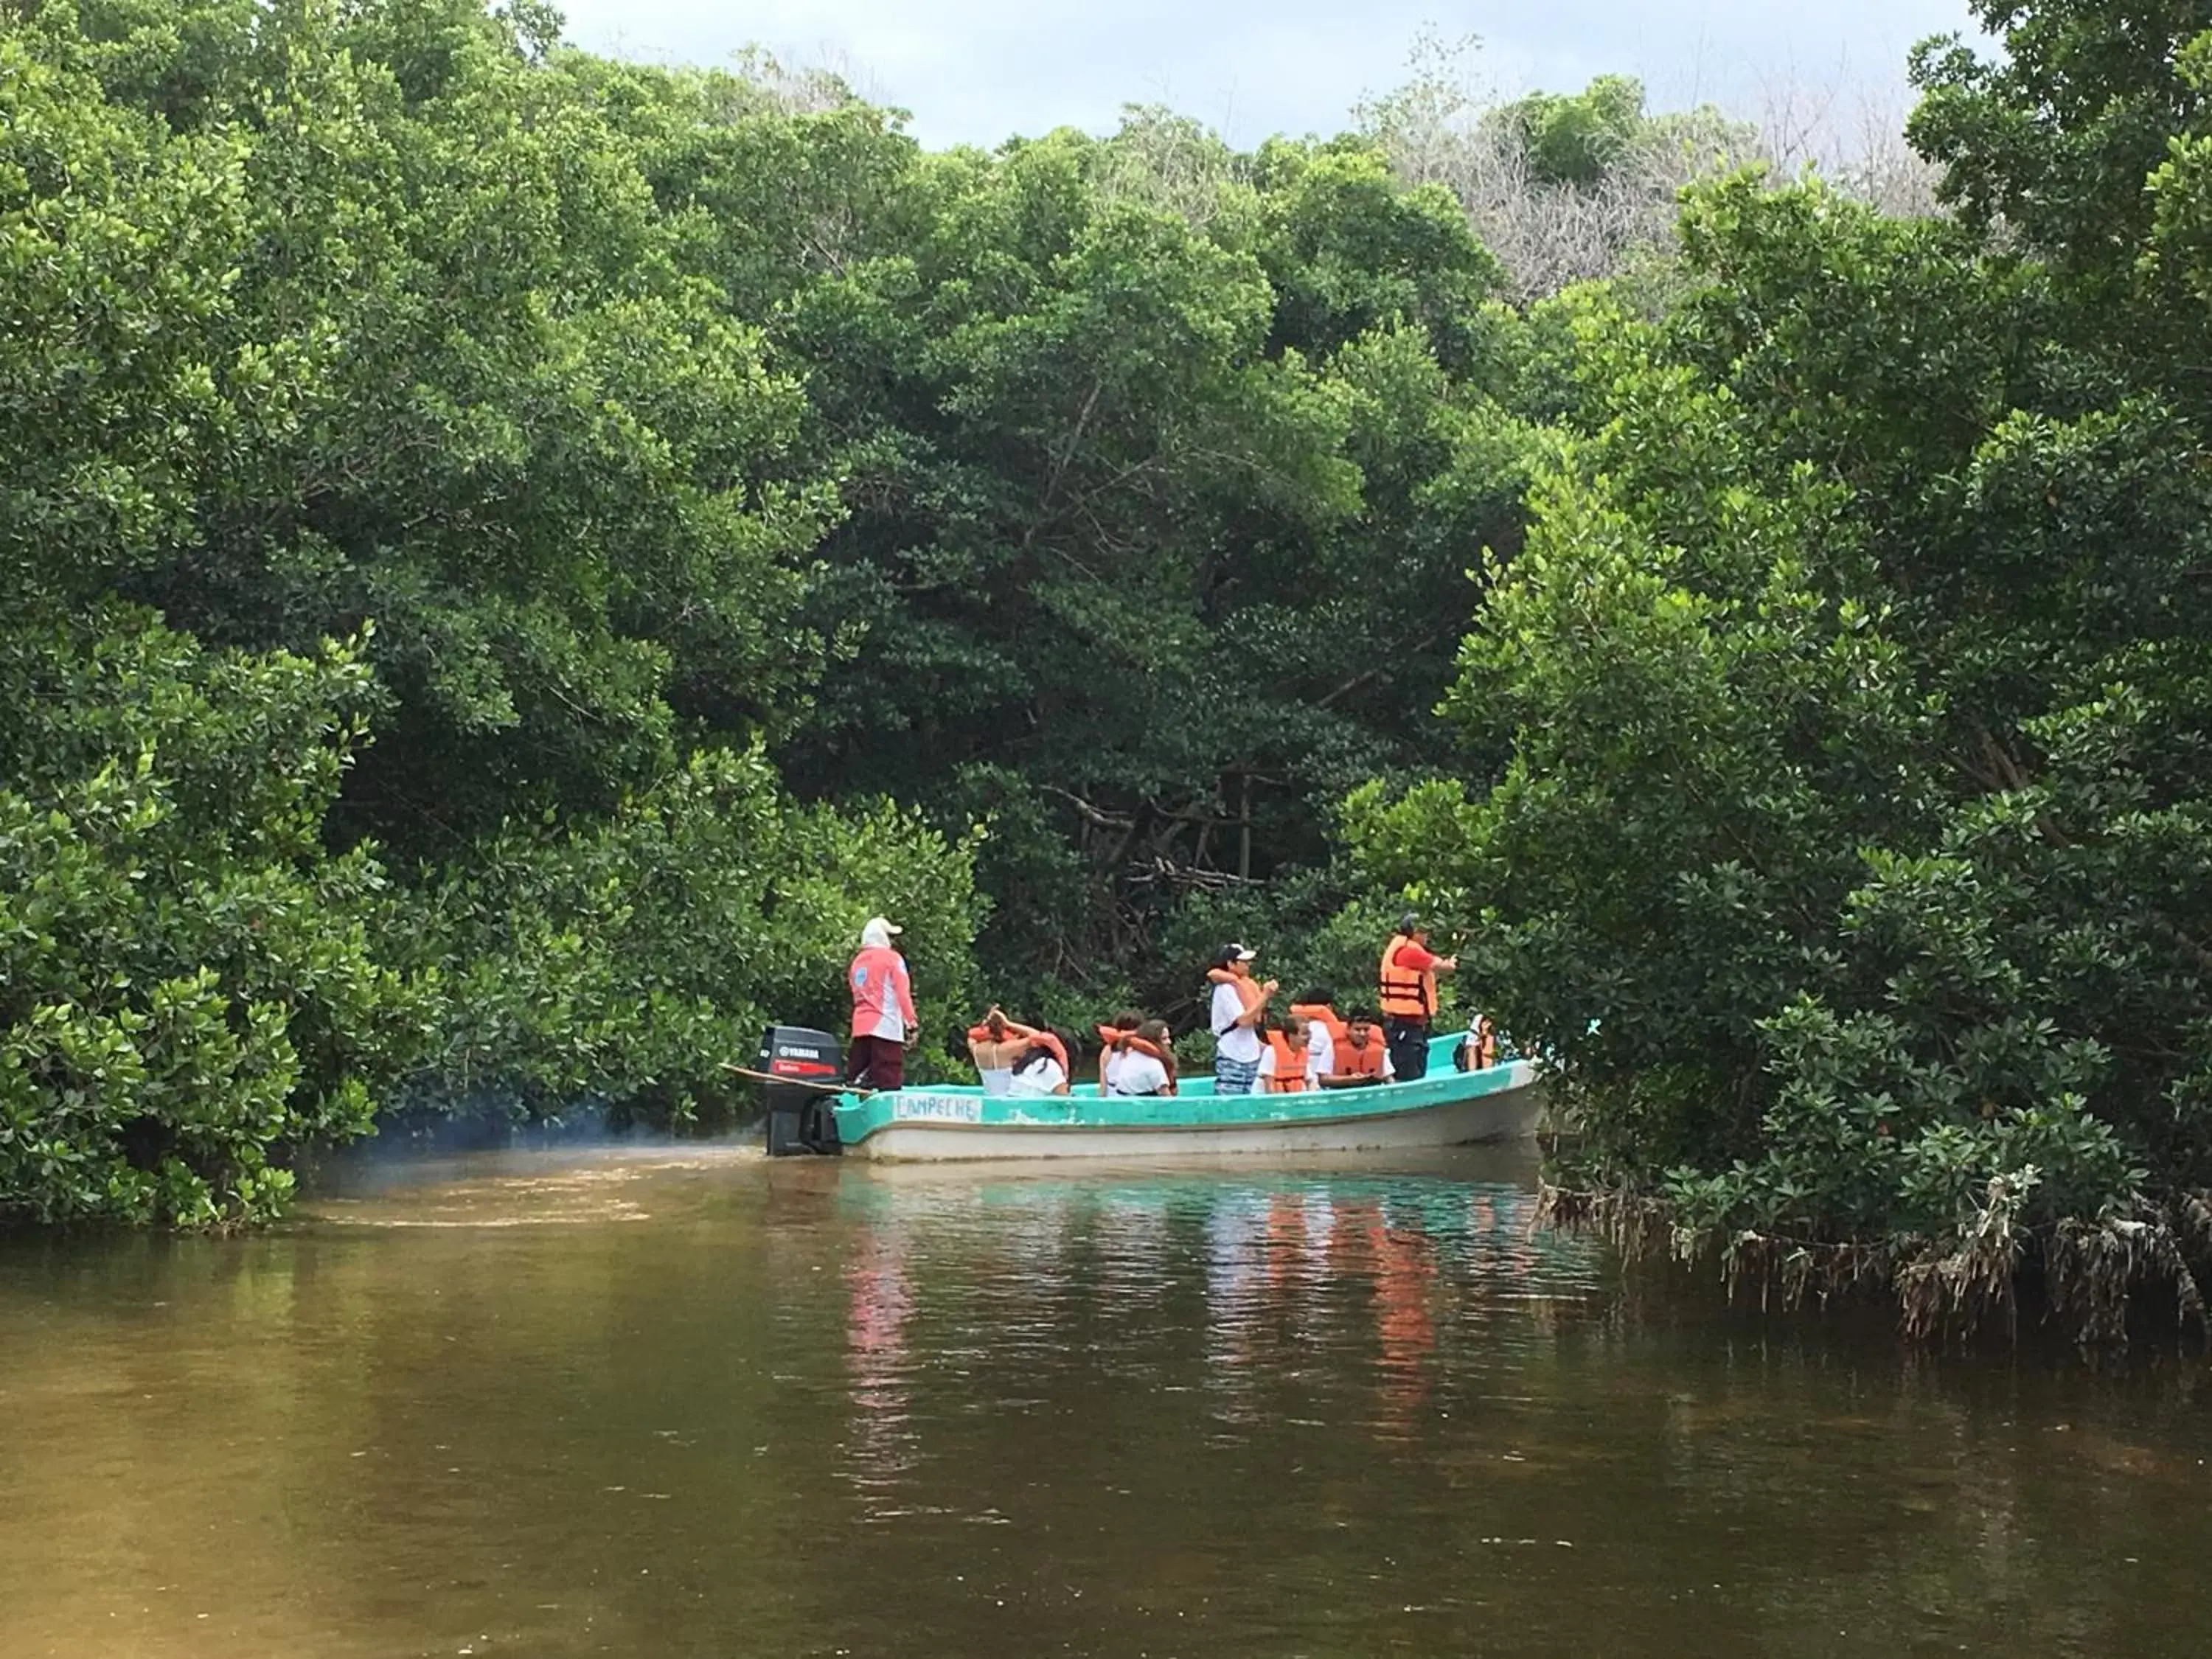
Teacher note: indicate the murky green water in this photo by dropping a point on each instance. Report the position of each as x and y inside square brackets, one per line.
[701, 1405]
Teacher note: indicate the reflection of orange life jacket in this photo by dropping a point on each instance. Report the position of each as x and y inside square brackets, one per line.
[1354, 1061]
[1290, 1065]
[1320, 1014]
[1405, 994]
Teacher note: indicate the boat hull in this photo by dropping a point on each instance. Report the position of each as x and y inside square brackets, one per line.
[923, 1125]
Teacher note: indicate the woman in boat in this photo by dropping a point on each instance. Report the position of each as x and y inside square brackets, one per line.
[1362, 1057]
[1287, 1067]
[1041, 1068]
[1111, 1033]
[1477, 1050]
[1141, 1062]
[1239, 1007]
[996, 1043]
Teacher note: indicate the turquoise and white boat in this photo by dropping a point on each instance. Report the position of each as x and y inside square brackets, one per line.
[933, 1122]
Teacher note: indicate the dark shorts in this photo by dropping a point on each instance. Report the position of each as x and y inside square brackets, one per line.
[1409, 1048]
[876, 1061]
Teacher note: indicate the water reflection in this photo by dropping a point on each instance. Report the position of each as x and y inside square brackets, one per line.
[1305, 1280]
[1328, 1409]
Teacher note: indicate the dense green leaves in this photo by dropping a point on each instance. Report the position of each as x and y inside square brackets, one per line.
[739, 521]
[187, 981]
[1849, 854]
[1164, 470]
[388, 322]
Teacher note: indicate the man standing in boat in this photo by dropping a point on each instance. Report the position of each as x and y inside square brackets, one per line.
[1408, 985]
[883, 1009]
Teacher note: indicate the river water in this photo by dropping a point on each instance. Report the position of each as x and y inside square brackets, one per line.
[694, 1403]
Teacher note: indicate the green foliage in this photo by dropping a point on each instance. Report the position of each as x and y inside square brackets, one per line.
[742, 521]
[619, 962]
[1165, 467]
[396, 323]
[1841, 827]
[1575, 138]
[374, 318]
[187, 982]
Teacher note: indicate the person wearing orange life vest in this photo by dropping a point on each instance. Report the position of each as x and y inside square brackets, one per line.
[1119, 1036]
[1287, 1065]
[997, 1042]
[1140, 1062]
[1324, 1030]
[1042, 1069]
[1361, 1056]
[1238, 1007]
[1406, 991]
[1477, 1050]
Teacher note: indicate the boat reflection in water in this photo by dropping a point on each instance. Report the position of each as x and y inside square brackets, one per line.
[1325, 1291]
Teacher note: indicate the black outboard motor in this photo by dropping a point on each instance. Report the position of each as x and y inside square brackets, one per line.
[801, 1113]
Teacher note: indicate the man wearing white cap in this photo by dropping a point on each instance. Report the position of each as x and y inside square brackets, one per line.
[883, 1009]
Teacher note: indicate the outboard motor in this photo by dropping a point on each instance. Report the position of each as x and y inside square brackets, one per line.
[801, 1113]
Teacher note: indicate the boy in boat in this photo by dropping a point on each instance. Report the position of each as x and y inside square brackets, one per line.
[1287, 1065]
[1324, 1030]
[1238, 1009]
[1362, 1057]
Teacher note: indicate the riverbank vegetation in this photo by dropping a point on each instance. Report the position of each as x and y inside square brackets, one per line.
[515, 554]
[1841, 806]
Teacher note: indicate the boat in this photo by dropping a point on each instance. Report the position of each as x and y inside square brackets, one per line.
[950, 1123]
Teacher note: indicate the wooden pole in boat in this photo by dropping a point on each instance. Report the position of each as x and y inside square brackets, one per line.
[796, 1082]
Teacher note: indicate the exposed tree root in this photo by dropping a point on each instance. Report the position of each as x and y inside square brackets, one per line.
[2088, 1273]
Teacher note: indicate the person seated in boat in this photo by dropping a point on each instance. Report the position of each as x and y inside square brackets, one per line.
[1141, 1062]
[1111, 1033]
[1041, 1068]
[1324, 1030]
[1238, 1009]
[1477, 1050]
[994, 1045]
[1287, 1067]
[1362, 1057]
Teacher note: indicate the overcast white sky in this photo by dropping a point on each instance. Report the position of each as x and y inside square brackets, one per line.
[978, 71]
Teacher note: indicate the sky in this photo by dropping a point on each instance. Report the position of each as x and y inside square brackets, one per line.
[977, 71]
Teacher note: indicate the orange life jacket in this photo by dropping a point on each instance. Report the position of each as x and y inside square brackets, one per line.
[1109, 1036]
[1354, 1061]
[1058, 1049]
[1290, 1076]
[1404, 994]
[1320, 1014]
